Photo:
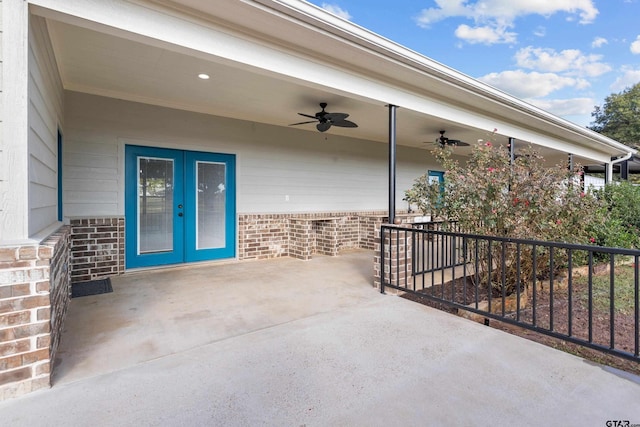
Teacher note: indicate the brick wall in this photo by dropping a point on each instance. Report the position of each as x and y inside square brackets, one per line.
[34, 296]
[326, 236]
[369, 230]
[301, 235]
[98, 244]
[263, 236]
[350, 232]
[97, 248]
[59, 283]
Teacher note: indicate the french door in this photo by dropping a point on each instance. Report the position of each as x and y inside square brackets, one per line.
[179, 206]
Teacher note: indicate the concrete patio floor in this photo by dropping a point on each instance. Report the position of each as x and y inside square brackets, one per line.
[289, 343]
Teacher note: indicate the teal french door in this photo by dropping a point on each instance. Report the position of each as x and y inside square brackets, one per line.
[179, 206]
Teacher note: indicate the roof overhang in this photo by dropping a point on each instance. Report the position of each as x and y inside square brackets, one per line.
[270, 59]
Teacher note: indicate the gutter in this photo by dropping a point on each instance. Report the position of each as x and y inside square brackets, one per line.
[615, 161]
[622, 159]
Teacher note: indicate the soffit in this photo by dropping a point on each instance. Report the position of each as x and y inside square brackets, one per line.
[103, 64]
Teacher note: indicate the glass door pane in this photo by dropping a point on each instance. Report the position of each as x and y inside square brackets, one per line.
[210, 206]
[211, 190]
[155, 205]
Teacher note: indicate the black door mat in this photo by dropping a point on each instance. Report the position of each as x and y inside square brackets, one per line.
[93, 287]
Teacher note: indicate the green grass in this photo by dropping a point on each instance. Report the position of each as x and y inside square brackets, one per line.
[624, 291]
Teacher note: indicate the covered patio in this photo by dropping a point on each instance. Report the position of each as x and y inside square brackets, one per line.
[134, 120]
[287, 342]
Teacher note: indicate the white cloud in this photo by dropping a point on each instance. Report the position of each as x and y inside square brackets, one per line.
[506, 10]
[565, 107]
[446, 9]
[531, 85]
[599, 42]
[336, 10]
[629, 78]
[635, 46]
[485, 35]
[540, 31]
[569, 61]
[501, 14]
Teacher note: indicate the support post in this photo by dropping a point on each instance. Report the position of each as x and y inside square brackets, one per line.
[512, 150]
[570, 168]
[392, 163]
[512, 158]
[624, 170]
[570, 162]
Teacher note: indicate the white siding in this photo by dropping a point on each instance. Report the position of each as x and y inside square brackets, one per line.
[45, 113]
[594, 183]
[317, 171]
[2, 151]
[92, 184]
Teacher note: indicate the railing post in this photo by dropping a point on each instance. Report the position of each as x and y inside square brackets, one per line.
[392, 163]
[382, 259]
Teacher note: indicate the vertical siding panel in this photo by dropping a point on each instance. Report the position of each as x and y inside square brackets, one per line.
[14, 208]
[2, 154]
[45, 116]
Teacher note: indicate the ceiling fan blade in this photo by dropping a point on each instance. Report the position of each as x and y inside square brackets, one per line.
[307, 115]
[334, 117]
[323, 126]
[303, 123]
[457, 143]
[344, 124]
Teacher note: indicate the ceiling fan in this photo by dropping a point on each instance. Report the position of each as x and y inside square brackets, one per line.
[443, 140]
[325, 119]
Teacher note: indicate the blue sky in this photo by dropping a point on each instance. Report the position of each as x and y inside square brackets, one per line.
[565, 56]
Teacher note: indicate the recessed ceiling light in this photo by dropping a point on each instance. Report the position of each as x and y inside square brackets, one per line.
[203, 76]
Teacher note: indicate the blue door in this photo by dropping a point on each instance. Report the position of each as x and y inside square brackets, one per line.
[179, 206]
[436, 176]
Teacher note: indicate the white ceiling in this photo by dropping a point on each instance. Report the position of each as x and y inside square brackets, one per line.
[103, 64]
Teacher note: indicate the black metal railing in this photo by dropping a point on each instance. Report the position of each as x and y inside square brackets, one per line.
[432, 252]
[588, 295]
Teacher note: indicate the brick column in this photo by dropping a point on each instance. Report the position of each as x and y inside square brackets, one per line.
[398, 261]
[34, 297]
[327, 238]
[301, 242]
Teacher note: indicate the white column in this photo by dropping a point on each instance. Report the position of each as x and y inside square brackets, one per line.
[14, 149]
